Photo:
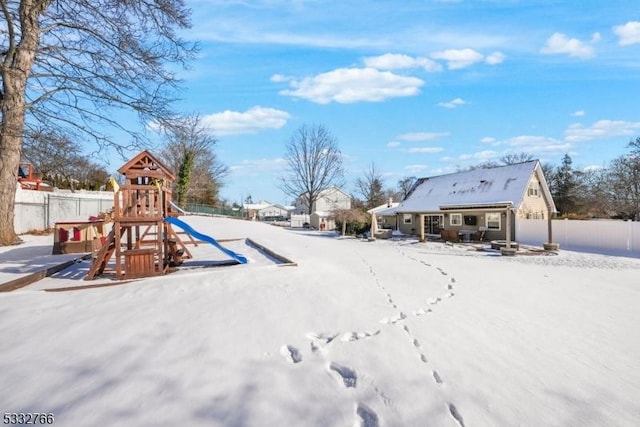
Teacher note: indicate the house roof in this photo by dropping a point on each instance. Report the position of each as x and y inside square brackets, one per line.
[257, 206]
[146, 164]
[502, 186]
[382, 208]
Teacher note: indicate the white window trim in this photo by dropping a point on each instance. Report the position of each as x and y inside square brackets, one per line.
[458, 222]
[486, 220]
[408, 217]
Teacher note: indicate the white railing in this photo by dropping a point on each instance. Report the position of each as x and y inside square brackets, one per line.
[607, 236]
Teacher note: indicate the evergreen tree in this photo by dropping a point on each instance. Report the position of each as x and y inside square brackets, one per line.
[565, 186]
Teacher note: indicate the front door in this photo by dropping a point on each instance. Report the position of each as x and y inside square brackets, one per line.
[433, 224]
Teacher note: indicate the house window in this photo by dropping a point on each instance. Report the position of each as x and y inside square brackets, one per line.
[455, 219]
[534, 190]
[407, 218]
[493, 220]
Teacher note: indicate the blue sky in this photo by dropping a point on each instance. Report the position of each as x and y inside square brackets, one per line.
[416, 87]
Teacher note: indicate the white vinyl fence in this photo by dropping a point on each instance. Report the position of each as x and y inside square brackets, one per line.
[298, 220]
[606, 236]
[39, 210]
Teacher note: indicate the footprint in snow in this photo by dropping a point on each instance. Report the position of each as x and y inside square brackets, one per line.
[355, 336]
[456, 414]
[366, 416]
[320, 340]
[433, 301]
[436, 377]
[323, 337]
[393, 319]
[291, 354]
[347, 375]
[421, 311]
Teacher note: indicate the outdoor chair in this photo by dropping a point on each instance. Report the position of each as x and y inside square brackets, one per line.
[479, 235]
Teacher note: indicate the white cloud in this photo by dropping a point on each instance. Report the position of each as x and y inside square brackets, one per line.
[257, 166]
[537, 144]
[393, 144]
[459, 58]
[495, 58]
[601, 129]
[422, 136]
[416, 168]
[578, 113]
[589, 168]
[253, 120]
[628, 33]
[489, 140]
[559, 43]
[279, 78]
[393, 61]
[349, 85]
[453, 103]
[426, 150]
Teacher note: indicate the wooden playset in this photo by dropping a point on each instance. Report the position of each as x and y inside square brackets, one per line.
[142, 243]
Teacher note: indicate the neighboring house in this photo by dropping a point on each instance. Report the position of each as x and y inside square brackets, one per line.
[328, 200]
[489, 200]
[265, 211]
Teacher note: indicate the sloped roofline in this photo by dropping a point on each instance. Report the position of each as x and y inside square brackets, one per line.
[139, 156]
[530, 167]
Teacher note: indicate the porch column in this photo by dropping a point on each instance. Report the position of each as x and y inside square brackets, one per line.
[508, 228]
[550, 246]
[421, 228]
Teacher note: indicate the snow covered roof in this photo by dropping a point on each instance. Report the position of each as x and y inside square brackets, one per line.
[389, 211]
[495, 187]
[383, 208]
[257, 206]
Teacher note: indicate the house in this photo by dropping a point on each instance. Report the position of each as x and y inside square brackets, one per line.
[266, 211]
[478, 201]
[328, 200]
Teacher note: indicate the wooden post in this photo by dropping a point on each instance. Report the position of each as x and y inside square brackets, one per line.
[421, 227]
[549, 227]
[508, 228]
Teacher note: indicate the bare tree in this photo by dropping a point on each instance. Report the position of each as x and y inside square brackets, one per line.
[405, 185]
[57, 158]
[370, 187]
[354, 217]
[513, 158]
[314, 163]
[622, 183]
[67, 65]
[188, 151]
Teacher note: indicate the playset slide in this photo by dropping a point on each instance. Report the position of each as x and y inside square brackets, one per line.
[186, 227]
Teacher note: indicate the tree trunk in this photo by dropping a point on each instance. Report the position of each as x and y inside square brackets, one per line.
[15, 68]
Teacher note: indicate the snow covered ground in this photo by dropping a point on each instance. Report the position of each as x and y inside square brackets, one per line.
[384, 333]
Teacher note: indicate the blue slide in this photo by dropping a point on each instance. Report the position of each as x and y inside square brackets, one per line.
[186, 227]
